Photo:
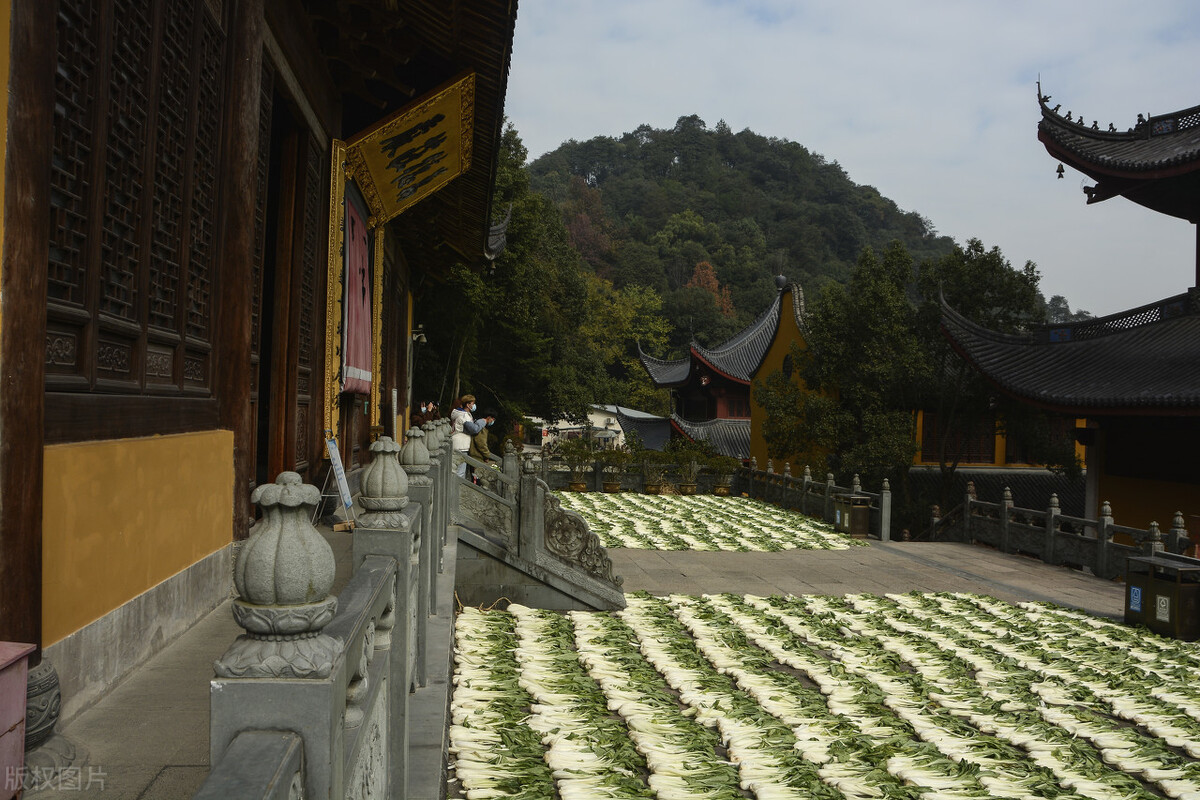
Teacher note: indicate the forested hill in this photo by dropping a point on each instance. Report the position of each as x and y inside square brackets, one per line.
[674, 209]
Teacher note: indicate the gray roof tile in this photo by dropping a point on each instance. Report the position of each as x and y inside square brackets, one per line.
[1143, 360]
[729, 437]
[1163, 141]
[737, 358]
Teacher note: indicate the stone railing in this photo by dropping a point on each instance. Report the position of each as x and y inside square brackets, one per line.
[512, 516]
[491, 504]
[1056, 538]
[313, 700]
[824, 500]
[555, 472]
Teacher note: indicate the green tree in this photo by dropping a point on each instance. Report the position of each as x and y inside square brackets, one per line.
[862, 370]
[511, 336]
[618, 321]
[984, 287]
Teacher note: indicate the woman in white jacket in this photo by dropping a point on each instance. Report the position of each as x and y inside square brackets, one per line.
[465, 427]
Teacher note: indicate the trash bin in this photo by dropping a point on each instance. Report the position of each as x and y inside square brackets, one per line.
[852, 514]
[1162, 592]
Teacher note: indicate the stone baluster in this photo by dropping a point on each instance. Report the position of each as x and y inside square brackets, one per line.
[827, 512]
[1178, 540]
[885, 511]
[283, 576]
[806, 483]
[1005, 507]
[510, 465]
[437, 534]
[1104, 541]
[968, 511]
[389, 528]
[384, 486]
[1052, 515]
[1154, 541]
[449, 496]
[416, 462]
[856, 485]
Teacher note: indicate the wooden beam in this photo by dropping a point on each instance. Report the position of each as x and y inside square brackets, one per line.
[23, 322]
[231, 381]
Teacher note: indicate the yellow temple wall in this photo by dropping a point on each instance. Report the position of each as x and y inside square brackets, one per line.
[786, 333]
[120, 517]
[1136, 502]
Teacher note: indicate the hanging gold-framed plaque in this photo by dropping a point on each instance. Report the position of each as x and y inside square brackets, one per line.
[414, 152]
[376, 175]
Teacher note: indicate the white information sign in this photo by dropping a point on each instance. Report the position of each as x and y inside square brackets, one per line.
[335, 461]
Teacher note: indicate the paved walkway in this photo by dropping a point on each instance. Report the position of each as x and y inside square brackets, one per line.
[148, 737]
[879, 569]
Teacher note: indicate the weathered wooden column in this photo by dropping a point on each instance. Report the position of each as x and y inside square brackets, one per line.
[30, 127]
[239, 168]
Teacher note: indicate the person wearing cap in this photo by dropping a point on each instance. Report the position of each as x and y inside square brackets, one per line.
[465, 427]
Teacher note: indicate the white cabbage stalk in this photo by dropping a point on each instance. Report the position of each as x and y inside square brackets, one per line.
[746, 741]
[1114, 743]
[671, 753]
[699, 522]
[1002, 698]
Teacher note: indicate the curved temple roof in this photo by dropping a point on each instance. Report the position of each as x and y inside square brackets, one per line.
[1142, 361]
[1155, 163]
[736, 358]
[729, 437]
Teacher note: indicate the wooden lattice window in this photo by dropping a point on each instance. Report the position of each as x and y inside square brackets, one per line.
[976, 446]
[133, 201]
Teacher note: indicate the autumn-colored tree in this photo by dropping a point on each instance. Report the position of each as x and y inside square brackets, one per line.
[588, 228]
[705, 277]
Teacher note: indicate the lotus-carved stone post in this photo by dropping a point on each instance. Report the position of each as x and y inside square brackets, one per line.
[384, 486]
[283, 576]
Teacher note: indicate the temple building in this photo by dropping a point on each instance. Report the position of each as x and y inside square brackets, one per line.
[1134, 375]
[217, 216]
[711, 387]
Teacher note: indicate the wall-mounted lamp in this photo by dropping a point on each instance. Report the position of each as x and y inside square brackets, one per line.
[418, 335]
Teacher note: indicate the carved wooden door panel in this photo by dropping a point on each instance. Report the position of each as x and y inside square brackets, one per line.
[288, 307]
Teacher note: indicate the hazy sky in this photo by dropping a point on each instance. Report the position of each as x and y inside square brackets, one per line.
[932, 103]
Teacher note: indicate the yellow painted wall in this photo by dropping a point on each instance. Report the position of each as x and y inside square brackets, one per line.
[785, 333]
[121, 516]
[1136, 502]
